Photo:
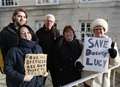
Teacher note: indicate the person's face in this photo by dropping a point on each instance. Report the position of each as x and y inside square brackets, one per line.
[69, 35]
[49, 23]
[20, 18]
[25, 34]
[99, 31]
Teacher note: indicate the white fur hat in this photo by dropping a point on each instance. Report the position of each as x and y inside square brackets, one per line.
[100, 22]
[50, 16]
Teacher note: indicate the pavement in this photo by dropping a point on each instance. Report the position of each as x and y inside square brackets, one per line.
[3, 81]
[49, 81]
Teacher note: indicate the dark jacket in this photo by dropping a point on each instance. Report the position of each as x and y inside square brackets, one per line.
[65, 56]
[15, 65]
[46, 41]
[8, 38]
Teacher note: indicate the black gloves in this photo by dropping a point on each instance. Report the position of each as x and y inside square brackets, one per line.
[79, 66]
[112, 51]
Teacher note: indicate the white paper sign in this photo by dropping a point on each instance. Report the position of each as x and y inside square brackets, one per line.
[96, 56]
[35, 64]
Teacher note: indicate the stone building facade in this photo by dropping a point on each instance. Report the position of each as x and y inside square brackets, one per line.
[78, 13]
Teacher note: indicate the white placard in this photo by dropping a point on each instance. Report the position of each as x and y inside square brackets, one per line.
[96, 56]
[35, 64]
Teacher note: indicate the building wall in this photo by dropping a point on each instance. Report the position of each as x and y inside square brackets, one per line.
[70, 12]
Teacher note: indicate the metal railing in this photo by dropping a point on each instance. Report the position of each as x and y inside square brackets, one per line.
[92, 76]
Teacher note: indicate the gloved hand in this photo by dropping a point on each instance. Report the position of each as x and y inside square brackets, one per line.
[28, 77]
[79, 66]
[112, 51]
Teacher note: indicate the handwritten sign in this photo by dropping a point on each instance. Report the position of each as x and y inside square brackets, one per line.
[35, 64]
[96, 56]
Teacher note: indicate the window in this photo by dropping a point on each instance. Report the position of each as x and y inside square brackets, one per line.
[47, 1]
[85, 28]
[38, 24]
[7, 2]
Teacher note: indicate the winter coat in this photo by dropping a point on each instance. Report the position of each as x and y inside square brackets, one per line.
[15, 71]
[99, 81]
[8, 38]
[65, 55]
[46, 41]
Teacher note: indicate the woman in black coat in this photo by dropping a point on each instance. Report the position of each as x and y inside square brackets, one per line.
[15, 71]
[67, 50]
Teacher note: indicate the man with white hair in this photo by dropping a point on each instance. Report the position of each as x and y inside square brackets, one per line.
[48, 33]
[47, 36]
[49, 21]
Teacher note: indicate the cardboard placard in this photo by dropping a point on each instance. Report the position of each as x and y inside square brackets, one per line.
[96, 56]
[35, 64]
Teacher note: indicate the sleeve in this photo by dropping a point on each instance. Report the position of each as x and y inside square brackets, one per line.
[116, 60]
[3, 44]
[10, 64]
[3, 37]
[80, 59]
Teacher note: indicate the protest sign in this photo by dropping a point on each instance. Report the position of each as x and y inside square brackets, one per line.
[96, 56]
[35, 64]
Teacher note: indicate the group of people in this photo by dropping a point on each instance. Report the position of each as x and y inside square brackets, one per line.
[18, 39]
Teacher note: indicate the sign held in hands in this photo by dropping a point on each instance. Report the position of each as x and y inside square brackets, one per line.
[96, 56]
[36, 64]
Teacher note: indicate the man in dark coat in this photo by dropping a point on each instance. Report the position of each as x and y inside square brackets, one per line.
[8, 36]
[47, 35]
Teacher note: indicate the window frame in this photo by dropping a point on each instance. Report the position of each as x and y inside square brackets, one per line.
[8, 2]
[47, 2]
[85, 28]
[38, 24]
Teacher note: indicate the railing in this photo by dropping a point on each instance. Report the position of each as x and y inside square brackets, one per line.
[92, 76]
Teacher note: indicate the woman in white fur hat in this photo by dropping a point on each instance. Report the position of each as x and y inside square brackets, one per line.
[99, 28]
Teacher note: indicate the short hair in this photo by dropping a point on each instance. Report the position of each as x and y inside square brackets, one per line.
[69, 28]
[16, 12]
[34, 37]
[51, 16]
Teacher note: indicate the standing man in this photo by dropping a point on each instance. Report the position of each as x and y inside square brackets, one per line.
[47, 36]
[8, 36]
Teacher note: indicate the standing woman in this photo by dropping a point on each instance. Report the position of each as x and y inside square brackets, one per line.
[100, 28]
[66, 51]
[15, 71]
